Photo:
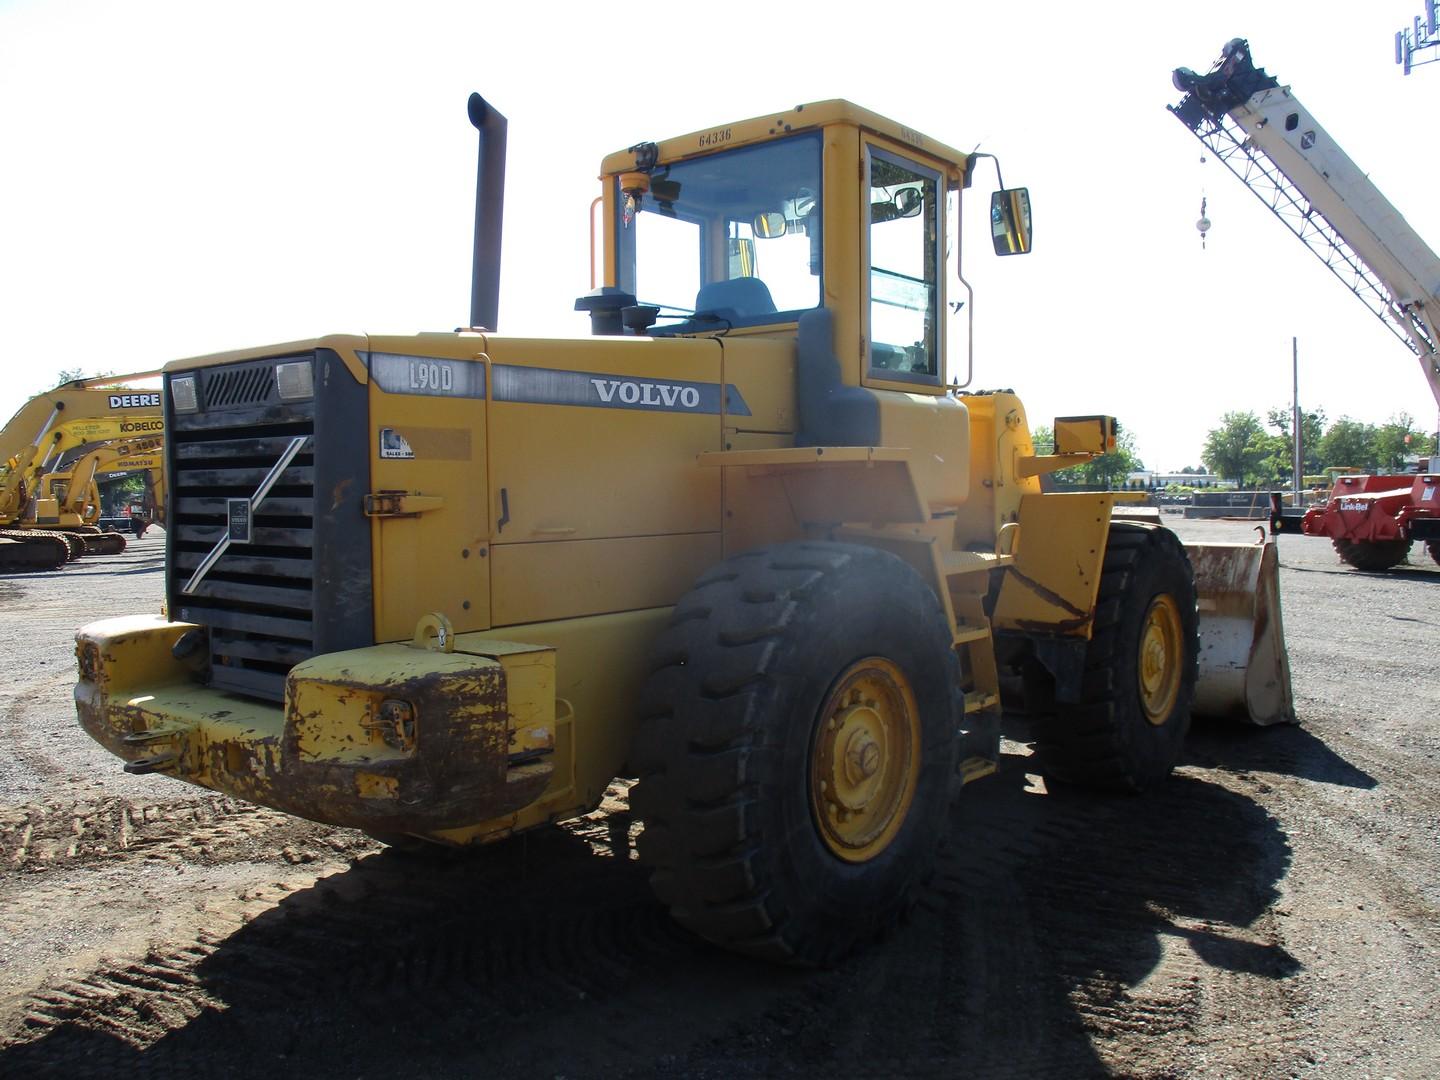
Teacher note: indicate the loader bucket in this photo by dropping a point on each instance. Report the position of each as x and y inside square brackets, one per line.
[1244, 670]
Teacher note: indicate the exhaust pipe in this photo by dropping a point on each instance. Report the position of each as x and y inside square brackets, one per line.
[489, 214]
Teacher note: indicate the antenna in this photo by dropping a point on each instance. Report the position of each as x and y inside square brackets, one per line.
[1416, 39]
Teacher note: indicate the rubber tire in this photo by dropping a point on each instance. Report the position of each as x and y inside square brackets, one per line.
[1106, 741]
[722, 751]
[1433, 546]
[1372, 554]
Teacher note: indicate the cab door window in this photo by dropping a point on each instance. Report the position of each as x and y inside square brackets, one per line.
[904, 231]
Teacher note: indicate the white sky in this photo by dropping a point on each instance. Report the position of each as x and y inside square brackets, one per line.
[179, 178]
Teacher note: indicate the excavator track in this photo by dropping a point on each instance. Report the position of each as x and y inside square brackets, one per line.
[37, 551]
[73, 544]
[102, 543]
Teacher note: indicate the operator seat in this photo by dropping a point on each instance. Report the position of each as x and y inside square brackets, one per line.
[737, 298]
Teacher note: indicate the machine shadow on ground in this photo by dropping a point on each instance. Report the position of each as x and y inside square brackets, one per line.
[1407, 572]
[1287, 749]
[547, 956]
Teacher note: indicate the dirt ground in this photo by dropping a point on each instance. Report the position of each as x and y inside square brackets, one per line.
[1273, 911]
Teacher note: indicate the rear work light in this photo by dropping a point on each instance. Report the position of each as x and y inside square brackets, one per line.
[295, 380]
[183, 395]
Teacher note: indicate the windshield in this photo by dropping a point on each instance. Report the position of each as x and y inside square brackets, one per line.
[727, 240]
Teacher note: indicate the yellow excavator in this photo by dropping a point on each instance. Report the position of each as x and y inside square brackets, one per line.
[751, 542]
[68, 420]
[70, 498]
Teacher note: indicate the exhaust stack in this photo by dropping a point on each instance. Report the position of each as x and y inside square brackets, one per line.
[489, 214]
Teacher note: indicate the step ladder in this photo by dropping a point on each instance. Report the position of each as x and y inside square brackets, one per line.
[967, 576]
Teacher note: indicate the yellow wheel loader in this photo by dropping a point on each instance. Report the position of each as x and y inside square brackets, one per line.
[750, 542]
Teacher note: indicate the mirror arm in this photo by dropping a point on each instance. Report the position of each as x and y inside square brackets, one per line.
[999, 179]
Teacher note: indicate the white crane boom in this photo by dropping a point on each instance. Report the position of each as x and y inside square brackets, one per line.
[1258, 129]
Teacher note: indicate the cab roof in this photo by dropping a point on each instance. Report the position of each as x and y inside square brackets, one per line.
[801, 118]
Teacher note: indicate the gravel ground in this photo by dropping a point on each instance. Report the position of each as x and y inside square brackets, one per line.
[1273, 911]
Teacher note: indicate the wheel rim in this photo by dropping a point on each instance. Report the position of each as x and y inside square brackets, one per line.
[1162, 659]
[865, 760]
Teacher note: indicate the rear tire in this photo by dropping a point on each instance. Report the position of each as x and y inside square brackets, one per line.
[1372, 554]
[796, 751]
[1128, 729]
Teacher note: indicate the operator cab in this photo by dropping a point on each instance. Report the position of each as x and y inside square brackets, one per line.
[724, 232]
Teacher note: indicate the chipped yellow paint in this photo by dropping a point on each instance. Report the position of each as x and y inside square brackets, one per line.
[375, 786]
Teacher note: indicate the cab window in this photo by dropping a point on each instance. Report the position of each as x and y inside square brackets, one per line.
[730, 239]
[904, 279]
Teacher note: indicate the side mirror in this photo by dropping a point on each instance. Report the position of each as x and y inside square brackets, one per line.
[1010, 221]
[742, 257]
[908, 202]
[768, 226]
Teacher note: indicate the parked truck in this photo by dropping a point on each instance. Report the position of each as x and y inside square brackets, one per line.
[749, 543]
[1260, 131]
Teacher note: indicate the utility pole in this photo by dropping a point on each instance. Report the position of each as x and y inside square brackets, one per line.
[1295, 420]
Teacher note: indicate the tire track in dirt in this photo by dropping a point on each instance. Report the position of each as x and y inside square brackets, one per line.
[204, 829]
[494, 936]
[1064, 935]
[1369, 804]
[1056, 924]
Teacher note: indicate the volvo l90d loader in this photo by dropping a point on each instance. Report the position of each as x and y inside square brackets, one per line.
[745, 543]
[45, 435]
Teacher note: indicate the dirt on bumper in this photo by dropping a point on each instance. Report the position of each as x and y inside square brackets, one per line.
[388, 739]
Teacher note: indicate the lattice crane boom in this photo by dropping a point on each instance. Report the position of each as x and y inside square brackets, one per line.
[1262, 134]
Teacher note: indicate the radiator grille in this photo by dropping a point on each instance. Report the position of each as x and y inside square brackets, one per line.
[258, 599]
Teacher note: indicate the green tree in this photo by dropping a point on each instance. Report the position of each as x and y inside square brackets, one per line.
[1239, 448]
[1350, 442]
[1113, 468]
[65, 375]
[1312, 431]
[1398, 438]
[1275, 467]
[1108, 470]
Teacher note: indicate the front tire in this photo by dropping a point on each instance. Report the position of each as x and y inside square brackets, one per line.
[797, 750]
[1128, 729]
[1372, 554]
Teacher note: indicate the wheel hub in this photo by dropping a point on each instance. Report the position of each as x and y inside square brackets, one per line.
[1161, 659]
[865, 759]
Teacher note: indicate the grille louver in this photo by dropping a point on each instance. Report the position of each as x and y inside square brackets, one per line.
[258, 599]
[245, 386]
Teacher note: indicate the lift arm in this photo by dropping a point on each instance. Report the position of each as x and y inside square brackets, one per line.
[1265, 137]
